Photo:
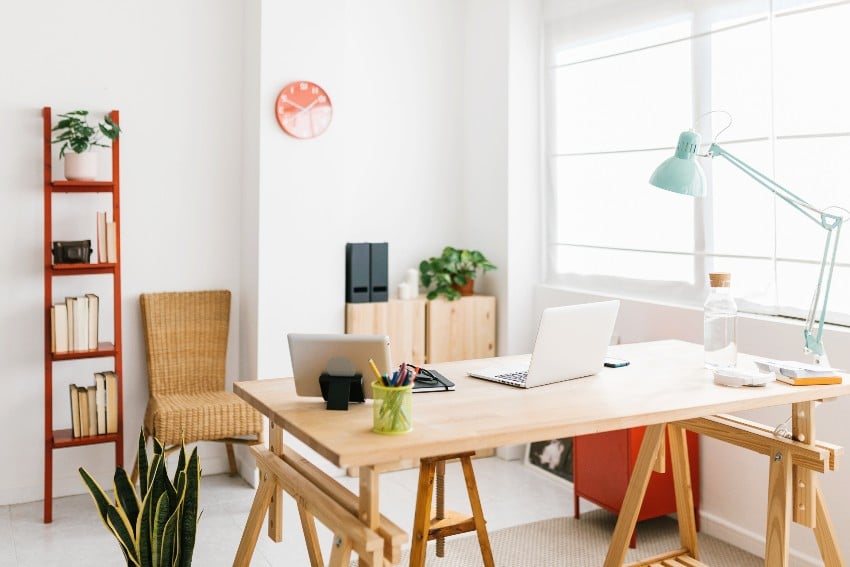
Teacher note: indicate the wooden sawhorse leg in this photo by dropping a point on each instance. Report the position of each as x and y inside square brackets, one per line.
[318, 498]
[425, 528]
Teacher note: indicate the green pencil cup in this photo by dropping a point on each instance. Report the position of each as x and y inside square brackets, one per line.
[392, 409]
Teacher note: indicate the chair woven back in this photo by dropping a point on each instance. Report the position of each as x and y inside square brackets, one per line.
[186, 340]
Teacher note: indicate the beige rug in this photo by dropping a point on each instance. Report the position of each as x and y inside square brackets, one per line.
[566, 542]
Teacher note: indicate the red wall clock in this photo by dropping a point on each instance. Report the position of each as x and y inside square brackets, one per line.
[303, 109]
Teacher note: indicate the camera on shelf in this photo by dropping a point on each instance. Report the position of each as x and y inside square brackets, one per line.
[71, 251]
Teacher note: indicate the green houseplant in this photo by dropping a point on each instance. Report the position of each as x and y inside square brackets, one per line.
[155, 528]
[452, 274]
[75, 133]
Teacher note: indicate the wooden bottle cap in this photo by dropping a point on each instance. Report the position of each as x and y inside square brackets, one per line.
[720, 279]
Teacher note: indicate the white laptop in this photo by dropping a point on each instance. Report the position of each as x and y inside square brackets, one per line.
[338, 355]
[571, 343]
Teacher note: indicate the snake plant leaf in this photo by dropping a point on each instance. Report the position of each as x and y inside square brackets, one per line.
[98, 495]
[125, 495]
[189, 518]
[159, 517]
[143, 531]
[168, 553]
[120, 526]
[143, 464]
[181, 462]
[159, 478]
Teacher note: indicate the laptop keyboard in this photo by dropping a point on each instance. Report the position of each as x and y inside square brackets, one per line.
[512, 377]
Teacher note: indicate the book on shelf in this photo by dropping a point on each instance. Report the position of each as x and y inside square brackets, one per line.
[70, 308]
[83, 404]
[111, 242]
[75, 410]
[81, 323]
[111, 401]
[101, 237]
[59, 327]
[91, 394]
[100, 401]
[93, 317]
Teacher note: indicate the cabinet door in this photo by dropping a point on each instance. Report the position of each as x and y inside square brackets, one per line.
[462, 329]
[402, 320]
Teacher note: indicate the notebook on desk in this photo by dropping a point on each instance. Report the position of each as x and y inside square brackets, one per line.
[571, 343]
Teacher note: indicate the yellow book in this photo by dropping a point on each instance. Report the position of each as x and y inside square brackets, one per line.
[83, 403]
[809, 380]
[111, 401]
[75, 410]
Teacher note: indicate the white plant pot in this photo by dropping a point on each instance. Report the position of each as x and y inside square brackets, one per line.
[80, 167]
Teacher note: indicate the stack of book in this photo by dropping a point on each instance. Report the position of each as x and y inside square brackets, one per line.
[94, 409]
[74, 324]
[107, 233]
[800, 373]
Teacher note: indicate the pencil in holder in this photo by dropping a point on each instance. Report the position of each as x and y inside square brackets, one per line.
[392, 409]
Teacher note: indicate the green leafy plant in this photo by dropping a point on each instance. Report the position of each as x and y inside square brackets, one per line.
[155, 528]
[444, 274]
[75, 132]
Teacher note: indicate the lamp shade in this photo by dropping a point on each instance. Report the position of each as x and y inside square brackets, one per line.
[682, 173]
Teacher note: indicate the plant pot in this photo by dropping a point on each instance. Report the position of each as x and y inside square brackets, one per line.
[467, 288]
[80, 167]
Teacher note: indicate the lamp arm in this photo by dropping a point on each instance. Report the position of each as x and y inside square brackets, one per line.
[813, 332]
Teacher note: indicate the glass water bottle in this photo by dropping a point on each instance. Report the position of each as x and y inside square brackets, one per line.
[720, 323]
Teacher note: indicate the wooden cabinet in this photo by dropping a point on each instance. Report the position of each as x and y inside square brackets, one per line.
[403, 320]
[603, 465]
[460, 330]
[423, 331]
[62, 438]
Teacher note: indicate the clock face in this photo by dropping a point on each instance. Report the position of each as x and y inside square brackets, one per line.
[303, 109]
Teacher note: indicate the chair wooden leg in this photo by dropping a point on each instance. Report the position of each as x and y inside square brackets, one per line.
[231, 459]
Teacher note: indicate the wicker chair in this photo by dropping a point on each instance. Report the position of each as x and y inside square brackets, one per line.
[186, 347]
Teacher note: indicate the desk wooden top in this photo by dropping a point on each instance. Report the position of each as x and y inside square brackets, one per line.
[665, 382]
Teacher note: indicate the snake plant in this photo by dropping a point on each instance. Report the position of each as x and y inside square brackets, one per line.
[155, 528]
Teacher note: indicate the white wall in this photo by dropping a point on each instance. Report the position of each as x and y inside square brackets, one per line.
[174, 72]
[734, 481]
[387, 169]
[502, 157]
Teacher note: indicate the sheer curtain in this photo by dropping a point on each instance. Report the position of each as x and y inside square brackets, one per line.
[624, 78]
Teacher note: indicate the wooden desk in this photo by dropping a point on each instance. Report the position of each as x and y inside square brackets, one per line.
[664, 388]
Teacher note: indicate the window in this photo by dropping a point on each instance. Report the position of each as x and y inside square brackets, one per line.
[624, 80]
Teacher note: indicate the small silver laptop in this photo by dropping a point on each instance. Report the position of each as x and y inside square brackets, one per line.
[571, 343]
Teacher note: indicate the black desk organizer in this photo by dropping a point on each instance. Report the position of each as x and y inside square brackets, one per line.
[338, 391]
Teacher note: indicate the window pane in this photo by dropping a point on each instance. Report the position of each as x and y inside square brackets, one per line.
[606, 200]
[624, 264]
[816, 170]
[796, 286]
[743, 209]
[635, 100]
[812, 86]
[740, 80]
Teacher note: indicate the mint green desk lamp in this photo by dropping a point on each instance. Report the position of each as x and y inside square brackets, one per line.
[683, 174]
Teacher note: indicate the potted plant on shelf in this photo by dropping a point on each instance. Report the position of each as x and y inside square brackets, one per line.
[157, 527]
[76, 134]
[453, 273]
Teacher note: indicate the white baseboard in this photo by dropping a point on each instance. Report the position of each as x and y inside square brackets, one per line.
[749, 541]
